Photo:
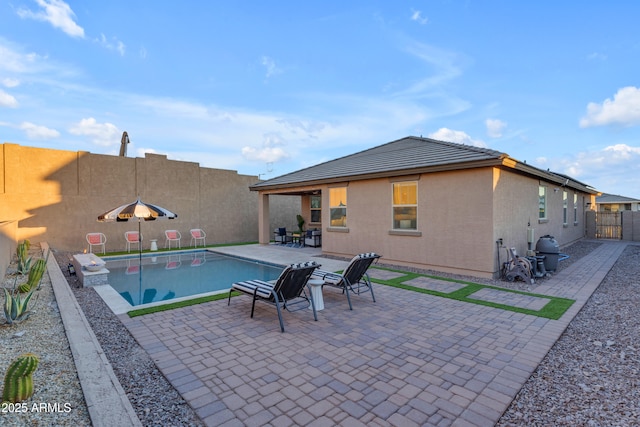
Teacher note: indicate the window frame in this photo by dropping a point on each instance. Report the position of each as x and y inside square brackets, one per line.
[313, 209]
[565, 207]
[542, 213]
[410, 206]
[341, 206]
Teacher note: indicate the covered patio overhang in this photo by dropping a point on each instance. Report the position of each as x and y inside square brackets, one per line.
[265, 233]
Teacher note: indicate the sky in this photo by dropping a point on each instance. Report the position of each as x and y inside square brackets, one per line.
[267, 88]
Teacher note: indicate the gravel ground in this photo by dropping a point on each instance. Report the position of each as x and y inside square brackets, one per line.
[153, 398]
[58, 398]
[589, 378]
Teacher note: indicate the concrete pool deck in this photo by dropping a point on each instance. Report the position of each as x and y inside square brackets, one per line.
[408, 359]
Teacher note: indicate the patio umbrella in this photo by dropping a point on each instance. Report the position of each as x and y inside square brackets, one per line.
[137, 209]
[140, 211]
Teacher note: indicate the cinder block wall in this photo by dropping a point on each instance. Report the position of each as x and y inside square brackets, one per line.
[56, 196]
[631, 225]
[7, 244]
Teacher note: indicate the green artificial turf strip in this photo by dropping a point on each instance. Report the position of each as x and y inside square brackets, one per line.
[179, 304]
[554, 309]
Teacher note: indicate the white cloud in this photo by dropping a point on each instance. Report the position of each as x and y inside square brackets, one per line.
[264, 154]
[9, 82]
[140, 152]
[495, 127]
[612, 169]
[104, 134]
[445, 68]
[457, 136]
[38, 132]
[113, 44]
[14, 61]
[623, 110]
[416, 16]
[270, 66]
[58, 14]
[596, 56]
[7, 100]
[270, 152]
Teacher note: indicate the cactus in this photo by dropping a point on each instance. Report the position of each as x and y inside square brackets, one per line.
[24, 260]
[35, 275]
[18, 381]
[16, 308]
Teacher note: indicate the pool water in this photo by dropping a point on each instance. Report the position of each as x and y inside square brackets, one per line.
[165, 277]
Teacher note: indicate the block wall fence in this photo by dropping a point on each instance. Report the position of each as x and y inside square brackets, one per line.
[56, 196]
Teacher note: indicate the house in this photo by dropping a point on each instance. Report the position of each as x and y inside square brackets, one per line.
[617, 217]
[614, 203]
[432, 204]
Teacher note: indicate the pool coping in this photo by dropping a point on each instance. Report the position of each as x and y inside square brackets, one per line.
[119, 305]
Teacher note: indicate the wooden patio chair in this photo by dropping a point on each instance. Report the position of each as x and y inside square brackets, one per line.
[287, 291]
[354, 279]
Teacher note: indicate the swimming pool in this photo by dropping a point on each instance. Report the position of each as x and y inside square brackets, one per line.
[168, 276]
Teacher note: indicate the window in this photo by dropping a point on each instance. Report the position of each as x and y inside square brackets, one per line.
[316, 211]
[565, 206]
[542, 202]
[405, 205]
[575, 208]
[338, 206]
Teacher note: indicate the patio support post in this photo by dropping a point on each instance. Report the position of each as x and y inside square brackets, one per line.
[264, 228]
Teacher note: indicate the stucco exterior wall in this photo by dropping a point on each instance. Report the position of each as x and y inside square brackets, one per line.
[56, 196]
[461, 216]
[516, 212]
[454, 222]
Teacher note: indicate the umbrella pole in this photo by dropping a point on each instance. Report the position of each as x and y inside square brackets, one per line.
[140, 267]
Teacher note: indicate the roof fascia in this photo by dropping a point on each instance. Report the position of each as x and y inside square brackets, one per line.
[547, 176]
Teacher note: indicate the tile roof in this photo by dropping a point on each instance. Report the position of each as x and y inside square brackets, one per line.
[406, 156]
[614, 198]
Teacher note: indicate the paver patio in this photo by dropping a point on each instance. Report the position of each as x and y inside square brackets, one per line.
[408, 359]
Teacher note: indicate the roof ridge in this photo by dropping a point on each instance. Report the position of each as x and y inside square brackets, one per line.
[458, 145]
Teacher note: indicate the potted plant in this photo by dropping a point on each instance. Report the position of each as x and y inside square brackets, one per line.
[300, 220]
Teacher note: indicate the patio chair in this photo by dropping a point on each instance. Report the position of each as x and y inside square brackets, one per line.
[313, 238]
[354, 279]
[172, 236]
[132, 238]
[287, 291]
[96, 239]
[280, 235]
[196, 236]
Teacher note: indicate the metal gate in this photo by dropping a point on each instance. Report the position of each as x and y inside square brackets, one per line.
[608, 225]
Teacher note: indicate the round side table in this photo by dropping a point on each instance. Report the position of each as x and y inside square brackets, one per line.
[154, 244]
[316, 293]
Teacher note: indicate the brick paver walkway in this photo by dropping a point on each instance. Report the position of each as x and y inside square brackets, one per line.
[407, 360]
